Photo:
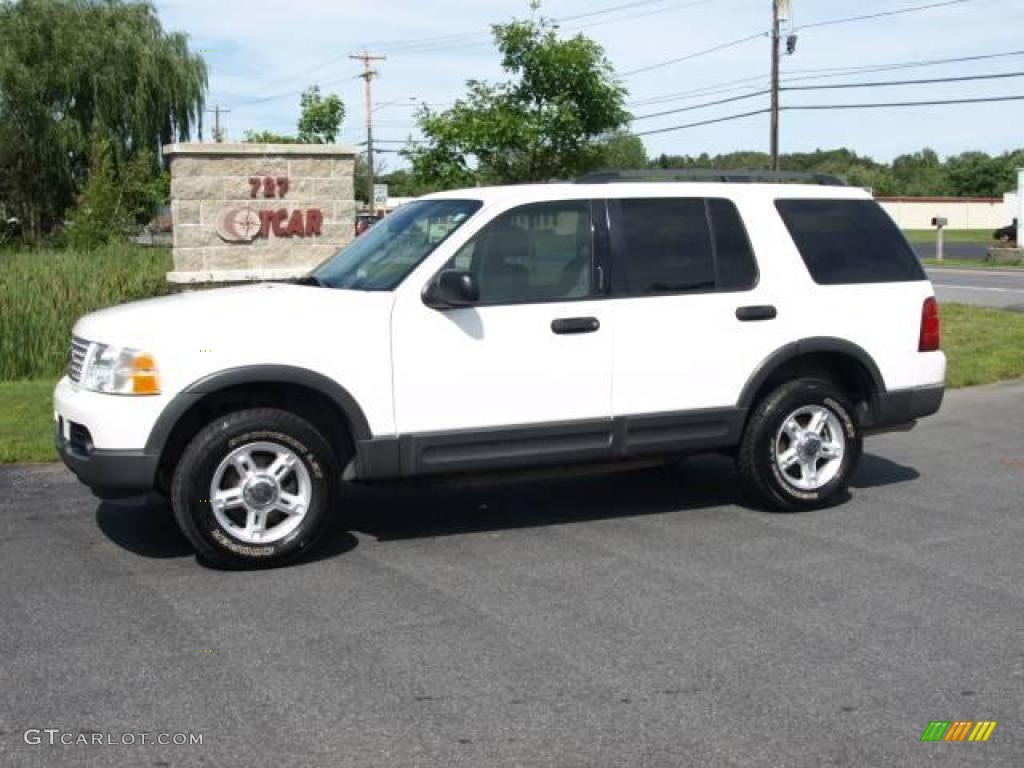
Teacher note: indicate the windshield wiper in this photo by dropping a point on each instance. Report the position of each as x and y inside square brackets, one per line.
[673, 287]
[304, 280]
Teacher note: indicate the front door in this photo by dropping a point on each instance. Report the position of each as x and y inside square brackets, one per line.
[524, 375]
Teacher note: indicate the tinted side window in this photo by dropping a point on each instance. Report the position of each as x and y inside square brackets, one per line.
[849, 241]
[735, 267]
[668, 246]
[540, 252]
[674, 245]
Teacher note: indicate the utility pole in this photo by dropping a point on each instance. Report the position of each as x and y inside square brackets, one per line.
[218, 133]
[368, 74]
[776, 52]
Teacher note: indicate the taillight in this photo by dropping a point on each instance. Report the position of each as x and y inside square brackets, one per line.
[931, 332]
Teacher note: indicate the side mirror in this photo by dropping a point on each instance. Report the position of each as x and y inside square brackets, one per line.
[453, 288]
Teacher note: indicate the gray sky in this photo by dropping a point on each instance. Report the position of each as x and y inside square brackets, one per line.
[261, 54]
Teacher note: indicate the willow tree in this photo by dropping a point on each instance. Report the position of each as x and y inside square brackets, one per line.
[75, 74]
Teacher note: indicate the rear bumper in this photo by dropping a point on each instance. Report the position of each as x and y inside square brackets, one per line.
[899, 409]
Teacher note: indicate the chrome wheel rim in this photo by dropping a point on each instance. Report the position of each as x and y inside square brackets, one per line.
[809, 447]
[260, 492]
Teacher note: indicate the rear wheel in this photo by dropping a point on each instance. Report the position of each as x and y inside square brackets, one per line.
[800, 447]
[255, 488]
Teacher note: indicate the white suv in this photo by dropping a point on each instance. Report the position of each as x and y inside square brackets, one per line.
[511, 328]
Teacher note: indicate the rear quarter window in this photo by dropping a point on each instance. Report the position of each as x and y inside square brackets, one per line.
[849, 241]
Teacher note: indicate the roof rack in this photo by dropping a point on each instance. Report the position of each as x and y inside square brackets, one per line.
[713, 175]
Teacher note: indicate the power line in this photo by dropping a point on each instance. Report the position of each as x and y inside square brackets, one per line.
[883, 14]
[878, 84]
[894, 104]
[819, 107]
[467, 39]
[740, 41]
[474, 39]
[704, 122]
[286, 94]
[696, 54]
[634, 16]
[612, 9]
[720, 87]
[906, 64]
[705, 105]
[885, 83]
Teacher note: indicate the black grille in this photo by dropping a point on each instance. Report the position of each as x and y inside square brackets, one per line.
[76, 358]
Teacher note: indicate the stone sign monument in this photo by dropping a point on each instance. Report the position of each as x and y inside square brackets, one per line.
[258, 211]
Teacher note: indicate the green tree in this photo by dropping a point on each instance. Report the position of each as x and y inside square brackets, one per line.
[74, 72]
[976, 174]
[321, 117]
[547, 122]
[920, 174]
[319, 121]
[623, 150]
[269, 137]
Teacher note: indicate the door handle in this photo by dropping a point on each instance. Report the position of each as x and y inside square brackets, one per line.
[763, 312]
[565, 325]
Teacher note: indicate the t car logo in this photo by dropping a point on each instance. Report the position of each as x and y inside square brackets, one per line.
[239, 225]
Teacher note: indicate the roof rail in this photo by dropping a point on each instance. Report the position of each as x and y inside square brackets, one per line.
[713, 175]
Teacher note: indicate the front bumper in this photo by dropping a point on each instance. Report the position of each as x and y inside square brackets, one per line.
[108, 474]
[95, 435]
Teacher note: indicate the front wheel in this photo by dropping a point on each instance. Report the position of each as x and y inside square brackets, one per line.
[255, 488]
[800, 447]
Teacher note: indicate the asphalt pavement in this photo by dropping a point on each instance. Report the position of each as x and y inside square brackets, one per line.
[643, 619]
[1002, 289]
[975, 251]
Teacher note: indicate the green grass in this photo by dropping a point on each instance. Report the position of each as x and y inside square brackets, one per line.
[971, 263]
[983, 345]
[26, 421]
[951, 235]
[43, 292]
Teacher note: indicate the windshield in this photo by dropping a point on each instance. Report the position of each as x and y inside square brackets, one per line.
[379, 259]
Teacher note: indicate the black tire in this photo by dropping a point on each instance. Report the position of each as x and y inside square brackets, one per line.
[763, 481]
[219, 545]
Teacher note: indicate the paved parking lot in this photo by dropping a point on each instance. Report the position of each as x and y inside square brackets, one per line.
[645, 619]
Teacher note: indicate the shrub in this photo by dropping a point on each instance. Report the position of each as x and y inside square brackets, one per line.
[115, 200]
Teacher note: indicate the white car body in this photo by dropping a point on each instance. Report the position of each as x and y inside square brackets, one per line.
[415, 371]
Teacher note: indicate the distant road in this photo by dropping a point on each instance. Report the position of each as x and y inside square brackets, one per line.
[976, 251]
[985, 288]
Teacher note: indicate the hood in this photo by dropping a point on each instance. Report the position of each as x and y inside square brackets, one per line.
[204, 312]
[193, 332]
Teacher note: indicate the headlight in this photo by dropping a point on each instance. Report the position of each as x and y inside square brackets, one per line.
[120, 371]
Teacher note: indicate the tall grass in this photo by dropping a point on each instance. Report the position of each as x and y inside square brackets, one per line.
[43, 292]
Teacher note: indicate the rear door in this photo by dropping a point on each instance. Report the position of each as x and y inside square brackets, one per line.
[691, 319]
[867, 285]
